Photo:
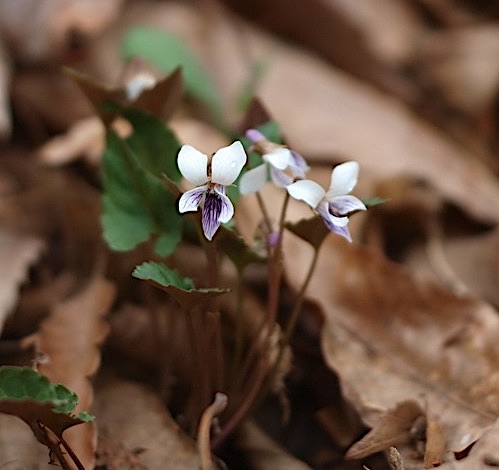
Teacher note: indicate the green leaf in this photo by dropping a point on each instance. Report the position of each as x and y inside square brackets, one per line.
[312, 230]
[180, 288]
[136, 204]
[166, 52]
[154, 144]
[31, 397]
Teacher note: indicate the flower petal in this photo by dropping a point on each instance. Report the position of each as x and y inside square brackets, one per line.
[308, 191]
[253, 180]
[217, 209]
[190, 200]
[280, 178]
[227, 163]
[193, 165]
[343, 205]
[279, 158]
[343, 179]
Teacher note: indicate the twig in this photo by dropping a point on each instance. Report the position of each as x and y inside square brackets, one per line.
[219, 404]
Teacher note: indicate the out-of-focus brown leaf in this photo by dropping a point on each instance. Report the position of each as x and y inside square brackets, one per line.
[85, 138]
[54, 26]
[462, 63]
[138, 419]
[392, 429]
[467, 264]
[392, 337]
[263, 453]
[69, 339]
[5, 77]
[18, 447]
[356, 39]
[17, 252]
[159, 97]
[388, 29]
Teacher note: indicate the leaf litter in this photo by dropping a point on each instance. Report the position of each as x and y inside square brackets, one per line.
[414, 359]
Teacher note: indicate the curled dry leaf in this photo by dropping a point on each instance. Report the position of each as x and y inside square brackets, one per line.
[392, 429]
[17, 252]
[392, 337]
[69, 339]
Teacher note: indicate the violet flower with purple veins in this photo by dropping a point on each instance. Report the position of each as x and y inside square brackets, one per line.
[211, 176]
[277, 159]
[336, 203]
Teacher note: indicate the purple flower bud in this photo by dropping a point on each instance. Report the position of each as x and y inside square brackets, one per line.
[254, 135]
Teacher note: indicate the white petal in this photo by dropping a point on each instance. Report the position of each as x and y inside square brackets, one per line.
[280, 158]
[190, 200]
[193, 165]
[308, 191]
[227, 163]
[343, 179]
[253, 180]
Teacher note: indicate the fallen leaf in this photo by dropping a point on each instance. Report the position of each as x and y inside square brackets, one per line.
[137, 418]
[435, 442]
[18, 252]
[387, 346]
[262, 452]
[392, 429]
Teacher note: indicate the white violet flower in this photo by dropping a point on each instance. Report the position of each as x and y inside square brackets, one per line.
[276, 160]
[211, 176]
[336, 203]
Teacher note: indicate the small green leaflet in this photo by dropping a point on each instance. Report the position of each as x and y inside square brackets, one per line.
[180, 288]
[31, 397]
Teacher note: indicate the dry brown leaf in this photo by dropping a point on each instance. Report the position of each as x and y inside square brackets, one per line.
[463, 64]
[17, 252]
[467, 264]
[392, 429]
[435, 442]
[262, 452]
[390, 29]
[483, 455]
[69, 339]
[137, 418]
[5, 77]
[52, 24]
[392, 337]
[19, 448]
[84, 138]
